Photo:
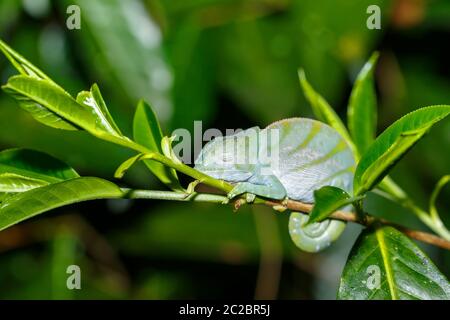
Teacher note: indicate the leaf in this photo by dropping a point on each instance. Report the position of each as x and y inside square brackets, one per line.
[393, 144]
[127, 164]
[22, 65]
[362, 118]
[437, 189]
[22, 169]
[131, 63]
[49, 104]
[52, 106]
[322, 110]
[94, 100]
[28, 204]
[327, 200]
[385, 264]
[362, 108]
[166, 146]
[4, 196]
[147, 132]
[10, 182]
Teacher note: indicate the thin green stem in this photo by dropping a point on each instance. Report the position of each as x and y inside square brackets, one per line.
[174, 196]
[290, 204]
[432, 222]
[181, 167]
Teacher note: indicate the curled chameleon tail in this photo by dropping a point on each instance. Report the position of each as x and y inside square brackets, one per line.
[294, 157]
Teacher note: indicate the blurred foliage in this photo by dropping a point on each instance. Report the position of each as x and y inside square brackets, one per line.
[229, 63]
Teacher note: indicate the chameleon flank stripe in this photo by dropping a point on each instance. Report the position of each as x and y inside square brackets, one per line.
[313, 131]
[294, 157]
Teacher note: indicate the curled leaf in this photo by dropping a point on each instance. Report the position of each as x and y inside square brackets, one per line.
[123, 168]
[93, 99]
[166, 146]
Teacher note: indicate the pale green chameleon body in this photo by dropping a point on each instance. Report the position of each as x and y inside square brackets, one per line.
[290, 158]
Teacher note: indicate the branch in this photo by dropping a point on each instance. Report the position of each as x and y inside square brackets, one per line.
[292, 205]
[277, 205]
[280, 206]
[352, 217]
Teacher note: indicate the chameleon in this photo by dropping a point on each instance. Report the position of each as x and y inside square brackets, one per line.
[288, 159]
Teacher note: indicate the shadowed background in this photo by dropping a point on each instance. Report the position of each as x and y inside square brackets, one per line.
[230, 64]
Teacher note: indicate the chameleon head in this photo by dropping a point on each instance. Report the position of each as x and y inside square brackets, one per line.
[231, 158]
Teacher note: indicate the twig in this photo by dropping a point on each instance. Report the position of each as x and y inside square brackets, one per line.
[425, 237]
[289, 204]
[352, 217]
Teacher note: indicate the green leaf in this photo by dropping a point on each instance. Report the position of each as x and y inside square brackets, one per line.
[93, 99]
[4, 196]
[166, 146]
[392, 144]
[22, 169]
[28, 204]
[21, 64]
[147, 132]
[10, 182]
[437, 189]
[384, 264]
[130, 63]
[322, 110]
[50, 104]
[362, 108]
[362, 118]
[327, 200]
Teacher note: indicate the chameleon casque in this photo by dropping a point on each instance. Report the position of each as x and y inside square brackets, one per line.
[288, 159]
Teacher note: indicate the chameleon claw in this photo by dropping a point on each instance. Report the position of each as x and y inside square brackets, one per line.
[282, 206]
[279, 208]
[238, 203]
